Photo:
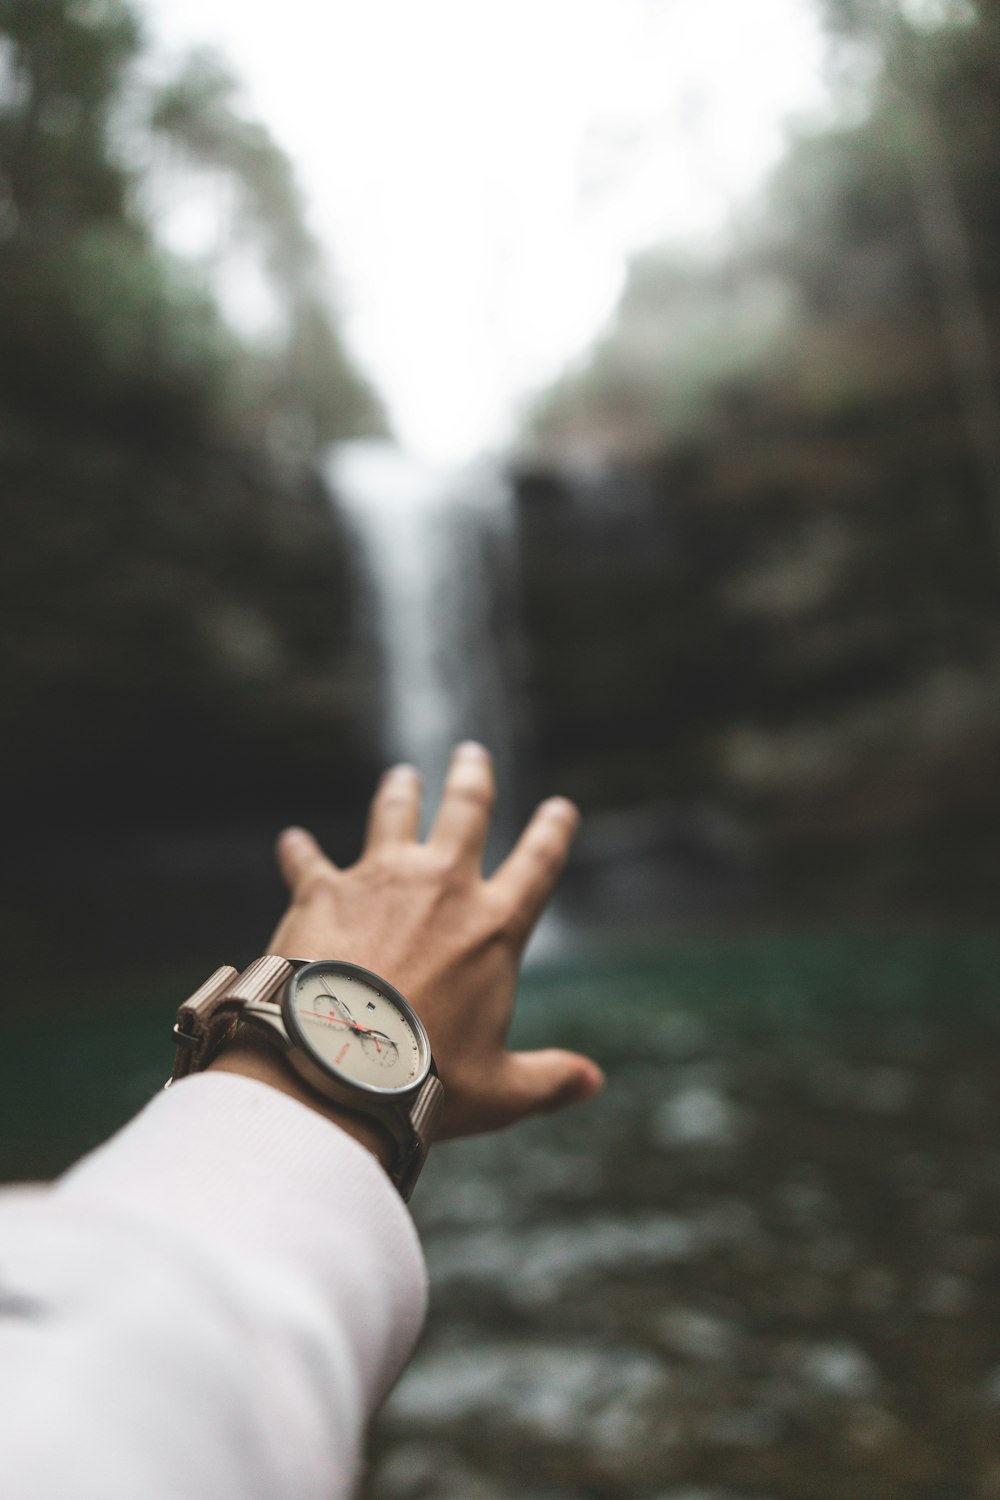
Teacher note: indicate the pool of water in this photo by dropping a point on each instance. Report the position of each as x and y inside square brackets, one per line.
[761, 1266]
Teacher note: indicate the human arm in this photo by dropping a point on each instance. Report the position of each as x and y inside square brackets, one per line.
[421, 914]
[214, 1302]
[210, 1305]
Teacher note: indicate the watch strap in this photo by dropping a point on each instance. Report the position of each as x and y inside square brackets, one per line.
[261, 980]
[197, 1031]
[424, 1114]
[212, 1015]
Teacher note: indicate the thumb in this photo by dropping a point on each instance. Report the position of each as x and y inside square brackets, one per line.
[299, 856]
[551, 1079]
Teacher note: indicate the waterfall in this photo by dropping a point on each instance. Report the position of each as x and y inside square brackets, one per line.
[437, 547]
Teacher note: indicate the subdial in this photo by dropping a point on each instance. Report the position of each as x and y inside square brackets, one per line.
[336, 1008]
[379, 1048]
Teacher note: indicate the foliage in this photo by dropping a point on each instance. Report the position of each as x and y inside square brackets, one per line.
[312, 378]
[821, 637]
[174, 587]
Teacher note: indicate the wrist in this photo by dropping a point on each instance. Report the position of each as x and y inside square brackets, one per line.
[261, 1063]
[292, 1025]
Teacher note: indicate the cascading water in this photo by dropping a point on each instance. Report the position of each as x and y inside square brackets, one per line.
[438, 547]
[438, 551]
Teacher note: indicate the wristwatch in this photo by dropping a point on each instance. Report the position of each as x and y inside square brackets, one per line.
[349, 1035]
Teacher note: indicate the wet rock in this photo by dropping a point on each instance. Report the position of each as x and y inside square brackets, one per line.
[699, 1114]
[470, 1200]
[874, 1289]
[840, 1369]
[698, 1335]
[804, 1297]
[427, 1471]
[561, 1393]
[533, 1265]
[886, 1090]
[833, 1255]
[807, 1201]
[742, 1427]
[942, 1295]
[872, 1428]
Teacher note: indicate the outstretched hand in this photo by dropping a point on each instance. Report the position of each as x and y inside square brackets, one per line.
[422, 915]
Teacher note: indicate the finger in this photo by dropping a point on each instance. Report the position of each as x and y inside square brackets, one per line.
[463, 819]
[550, 1079]
[528, 875]
[299, 858]
[394, 816]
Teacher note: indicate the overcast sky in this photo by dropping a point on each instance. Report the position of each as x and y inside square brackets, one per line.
[480, 170]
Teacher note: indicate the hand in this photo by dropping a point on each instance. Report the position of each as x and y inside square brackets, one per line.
[423, 916]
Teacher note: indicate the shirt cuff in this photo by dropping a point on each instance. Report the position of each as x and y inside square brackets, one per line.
[250, 1172]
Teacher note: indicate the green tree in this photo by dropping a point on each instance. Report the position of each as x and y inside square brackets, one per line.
[176, 596]
[830, 597]
[311, 377]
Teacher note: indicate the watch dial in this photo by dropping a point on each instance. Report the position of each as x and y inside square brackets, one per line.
[357, 1029]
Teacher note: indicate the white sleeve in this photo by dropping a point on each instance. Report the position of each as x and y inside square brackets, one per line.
[208, 1307]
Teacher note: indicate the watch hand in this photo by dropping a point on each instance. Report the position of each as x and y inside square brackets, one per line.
[354, 1025]
[337, 1001]
[322, 1015]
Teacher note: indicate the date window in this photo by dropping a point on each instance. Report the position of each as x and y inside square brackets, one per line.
[371, 1005]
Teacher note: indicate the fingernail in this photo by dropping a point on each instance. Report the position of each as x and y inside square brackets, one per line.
[579, 1087]
[561, 807]
[591, 1083]
[288, 835]
[472, 749]
[402, 769]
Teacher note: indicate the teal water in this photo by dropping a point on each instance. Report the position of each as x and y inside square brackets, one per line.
[81, 1052]
[763, 1265]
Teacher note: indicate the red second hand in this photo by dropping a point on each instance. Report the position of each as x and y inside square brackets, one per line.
[339, 1020]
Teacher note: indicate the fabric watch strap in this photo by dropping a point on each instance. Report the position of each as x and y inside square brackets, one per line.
[211, 1017]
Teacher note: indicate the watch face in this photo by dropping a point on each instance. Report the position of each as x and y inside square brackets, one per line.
[357, 1026]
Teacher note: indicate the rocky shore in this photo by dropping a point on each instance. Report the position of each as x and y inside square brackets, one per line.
[761, 1267]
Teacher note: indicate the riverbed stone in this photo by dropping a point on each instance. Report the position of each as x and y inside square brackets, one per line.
[699, 1114]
